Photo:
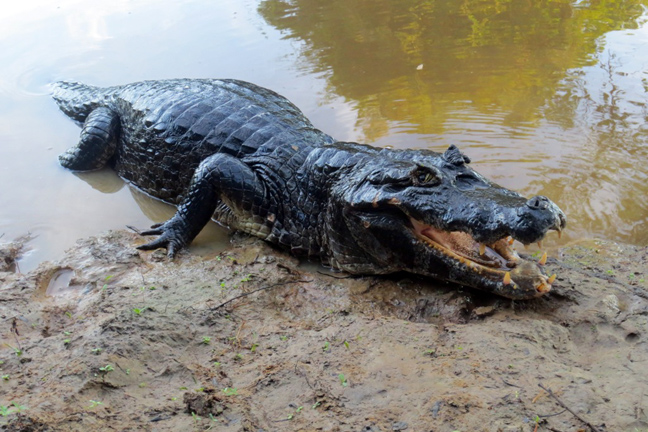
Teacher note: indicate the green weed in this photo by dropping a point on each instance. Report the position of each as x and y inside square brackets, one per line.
[230, 391]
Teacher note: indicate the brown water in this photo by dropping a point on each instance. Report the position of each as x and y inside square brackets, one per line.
[546, 97]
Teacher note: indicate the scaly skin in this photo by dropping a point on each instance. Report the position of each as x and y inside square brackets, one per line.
[249, 159]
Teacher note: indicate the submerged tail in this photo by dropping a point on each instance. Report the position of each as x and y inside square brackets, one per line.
[77, 100]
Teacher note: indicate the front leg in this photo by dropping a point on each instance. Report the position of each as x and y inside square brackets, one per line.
[219, 179]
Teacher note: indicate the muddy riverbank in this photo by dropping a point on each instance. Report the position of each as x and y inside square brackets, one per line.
[110, 338]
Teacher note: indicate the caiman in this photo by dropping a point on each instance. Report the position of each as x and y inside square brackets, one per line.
[249, 159]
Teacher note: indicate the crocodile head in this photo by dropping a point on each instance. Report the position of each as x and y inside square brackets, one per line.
[430, 214]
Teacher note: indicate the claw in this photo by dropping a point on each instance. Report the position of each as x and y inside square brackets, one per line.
[540, 244]
[559, 233]
[155, 244]
[482, 248]
[507, 278]
[543, 260]
[153, 231]
[552, 278]
[543, 288]
[510, 240]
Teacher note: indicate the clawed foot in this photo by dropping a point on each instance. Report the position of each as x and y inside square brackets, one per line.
[171, 234]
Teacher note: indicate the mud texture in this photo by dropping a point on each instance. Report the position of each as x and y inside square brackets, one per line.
[110, 338]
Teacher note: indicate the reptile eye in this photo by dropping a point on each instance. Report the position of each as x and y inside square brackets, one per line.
[426, 177]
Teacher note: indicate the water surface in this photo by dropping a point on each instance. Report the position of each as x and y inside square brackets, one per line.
[546, 97]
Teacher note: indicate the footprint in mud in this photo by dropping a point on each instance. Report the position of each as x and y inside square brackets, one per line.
[57, 285]
[602, 335]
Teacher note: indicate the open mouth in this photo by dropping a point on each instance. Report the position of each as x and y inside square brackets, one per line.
[497, 261]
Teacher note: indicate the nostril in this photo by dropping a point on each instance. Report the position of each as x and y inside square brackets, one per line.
[538, 202]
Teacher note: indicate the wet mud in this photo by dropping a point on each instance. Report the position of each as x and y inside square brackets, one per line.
[250, 339]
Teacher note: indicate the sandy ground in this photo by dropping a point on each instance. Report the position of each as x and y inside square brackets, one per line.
[109, 338]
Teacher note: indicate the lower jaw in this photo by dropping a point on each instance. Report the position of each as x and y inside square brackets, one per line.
[499, 278]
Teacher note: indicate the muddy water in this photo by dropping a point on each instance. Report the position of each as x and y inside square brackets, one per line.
[546, 97]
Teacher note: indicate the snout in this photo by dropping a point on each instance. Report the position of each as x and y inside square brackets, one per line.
[536, 217]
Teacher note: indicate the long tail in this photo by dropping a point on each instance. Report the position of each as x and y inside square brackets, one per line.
[77, 100]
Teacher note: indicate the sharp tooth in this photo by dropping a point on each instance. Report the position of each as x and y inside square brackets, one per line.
[482, 248]
[551, 279]
[543, 260]
[540, 244]
[507, 278]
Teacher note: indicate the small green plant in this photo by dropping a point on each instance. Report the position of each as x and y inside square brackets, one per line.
[206, 340]
[106, 284]
[68, 314]
[18, 351]
[5, 377]
[343, 380]
[316, 404]
[327, 346]
[238, 357]
[7, 410]
[230, 391]
[138, 311]
[96, 351]
[254, 347]
[195, 417]
[283, 337]
[213, 419]
[127, 371]
[107, 368]
[66, 341]
[346, 344]
[94, 404]
[217, 364]
[142, 385]
[19, 408]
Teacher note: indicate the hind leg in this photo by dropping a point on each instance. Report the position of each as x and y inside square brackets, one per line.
[97, 143]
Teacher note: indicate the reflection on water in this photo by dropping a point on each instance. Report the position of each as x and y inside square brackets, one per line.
[104, 180]
[547, 97]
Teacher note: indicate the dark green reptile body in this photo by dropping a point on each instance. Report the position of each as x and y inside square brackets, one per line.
[248, 158]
